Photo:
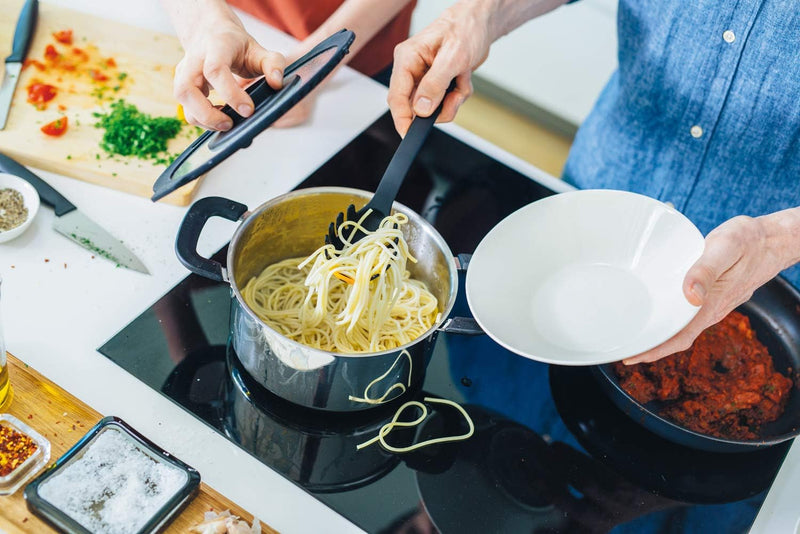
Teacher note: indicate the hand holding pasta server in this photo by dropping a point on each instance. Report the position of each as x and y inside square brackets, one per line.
[368, 218]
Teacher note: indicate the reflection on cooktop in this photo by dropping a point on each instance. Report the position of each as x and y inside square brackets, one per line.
[315, 450]
[550, 453]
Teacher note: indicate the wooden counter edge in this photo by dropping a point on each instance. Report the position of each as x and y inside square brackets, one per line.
[63, 419]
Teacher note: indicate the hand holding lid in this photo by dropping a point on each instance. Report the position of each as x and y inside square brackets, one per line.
[212, 147]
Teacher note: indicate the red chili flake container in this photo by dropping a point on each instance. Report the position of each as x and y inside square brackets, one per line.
[23, 451]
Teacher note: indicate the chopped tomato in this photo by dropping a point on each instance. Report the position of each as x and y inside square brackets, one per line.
[111, 63]
[55, 128]
[62, 107]
[63, 36]
[51, 53]
[97, 75]
[41, 93]
[38, 64]
[80, 52]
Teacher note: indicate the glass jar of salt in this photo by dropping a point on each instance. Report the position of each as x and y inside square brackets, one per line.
[5, 384]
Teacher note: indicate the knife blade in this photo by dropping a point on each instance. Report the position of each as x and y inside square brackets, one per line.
[26, 24]
[73, 224]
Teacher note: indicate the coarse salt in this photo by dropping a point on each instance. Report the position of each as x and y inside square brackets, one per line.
[115, 486]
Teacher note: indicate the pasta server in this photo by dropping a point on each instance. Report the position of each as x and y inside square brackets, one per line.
[370, 216]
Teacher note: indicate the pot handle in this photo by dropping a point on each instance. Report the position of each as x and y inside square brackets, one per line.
[191, 227]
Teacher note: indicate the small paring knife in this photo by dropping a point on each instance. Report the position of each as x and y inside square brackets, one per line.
[73, 224]
[26, 24]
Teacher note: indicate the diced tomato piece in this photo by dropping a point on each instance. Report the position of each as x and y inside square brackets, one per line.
[80, 52]
[63, 36]
[41, 93]
[38, 64]
[97, 75]
[111, 63]
[55, 128]
[51, 53]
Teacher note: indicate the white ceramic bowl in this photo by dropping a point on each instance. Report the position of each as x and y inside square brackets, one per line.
[584, 277]
[29, 196]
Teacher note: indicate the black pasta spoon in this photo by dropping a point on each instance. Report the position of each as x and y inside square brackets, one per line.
[380, 205]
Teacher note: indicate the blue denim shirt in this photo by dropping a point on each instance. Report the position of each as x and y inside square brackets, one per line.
[703, 112]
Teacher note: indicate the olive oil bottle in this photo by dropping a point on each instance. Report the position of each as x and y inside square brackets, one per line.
[5, 385]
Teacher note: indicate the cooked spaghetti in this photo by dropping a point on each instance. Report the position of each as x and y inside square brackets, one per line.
[357, 299]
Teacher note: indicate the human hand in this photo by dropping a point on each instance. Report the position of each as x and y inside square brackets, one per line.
[217, 50]
[451, 47]
[740, 256]
[299, 113]
[302, 110]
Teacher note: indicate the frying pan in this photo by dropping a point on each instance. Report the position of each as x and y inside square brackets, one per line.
[774, 312]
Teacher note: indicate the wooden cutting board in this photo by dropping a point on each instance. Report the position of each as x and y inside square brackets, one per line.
[143, 59]
[63, 420]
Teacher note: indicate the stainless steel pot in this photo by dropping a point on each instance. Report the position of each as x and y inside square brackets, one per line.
[294, 225]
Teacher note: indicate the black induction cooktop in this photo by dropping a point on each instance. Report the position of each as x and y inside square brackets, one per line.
[550, 452]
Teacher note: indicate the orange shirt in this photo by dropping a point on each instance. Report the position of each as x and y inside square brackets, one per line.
[299, 18]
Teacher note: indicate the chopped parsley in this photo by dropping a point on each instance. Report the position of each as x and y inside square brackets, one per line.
[129, 132]
[86, 242]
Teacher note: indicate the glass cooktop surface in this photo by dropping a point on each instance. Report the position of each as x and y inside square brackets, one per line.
[550, 453]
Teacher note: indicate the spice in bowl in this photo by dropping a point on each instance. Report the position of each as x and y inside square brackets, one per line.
[22, 452]
[12, 209]
[15, 448]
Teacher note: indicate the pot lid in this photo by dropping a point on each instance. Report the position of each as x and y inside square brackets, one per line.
[212, 147]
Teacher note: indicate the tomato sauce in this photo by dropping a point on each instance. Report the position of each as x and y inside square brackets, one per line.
[725, 385]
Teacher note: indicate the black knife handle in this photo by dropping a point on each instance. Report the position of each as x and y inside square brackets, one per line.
[26, 24]
[49, 196]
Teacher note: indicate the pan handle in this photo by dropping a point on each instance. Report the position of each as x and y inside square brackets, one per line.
[191, 227]
[462, 261]
[465, 326]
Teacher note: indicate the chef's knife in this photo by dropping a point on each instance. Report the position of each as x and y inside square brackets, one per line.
[74, 224]
[22, 39]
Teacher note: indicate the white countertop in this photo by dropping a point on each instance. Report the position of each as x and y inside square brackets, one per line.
[54, 317]
[56, 313]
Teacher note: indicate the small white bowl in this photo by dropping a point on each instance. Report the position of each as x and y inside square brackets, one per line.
[584, 277]
[29, 196]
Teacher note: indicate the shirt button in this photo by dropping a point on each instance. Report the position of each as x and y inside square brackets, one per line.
[696, 131]
[728, 36]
